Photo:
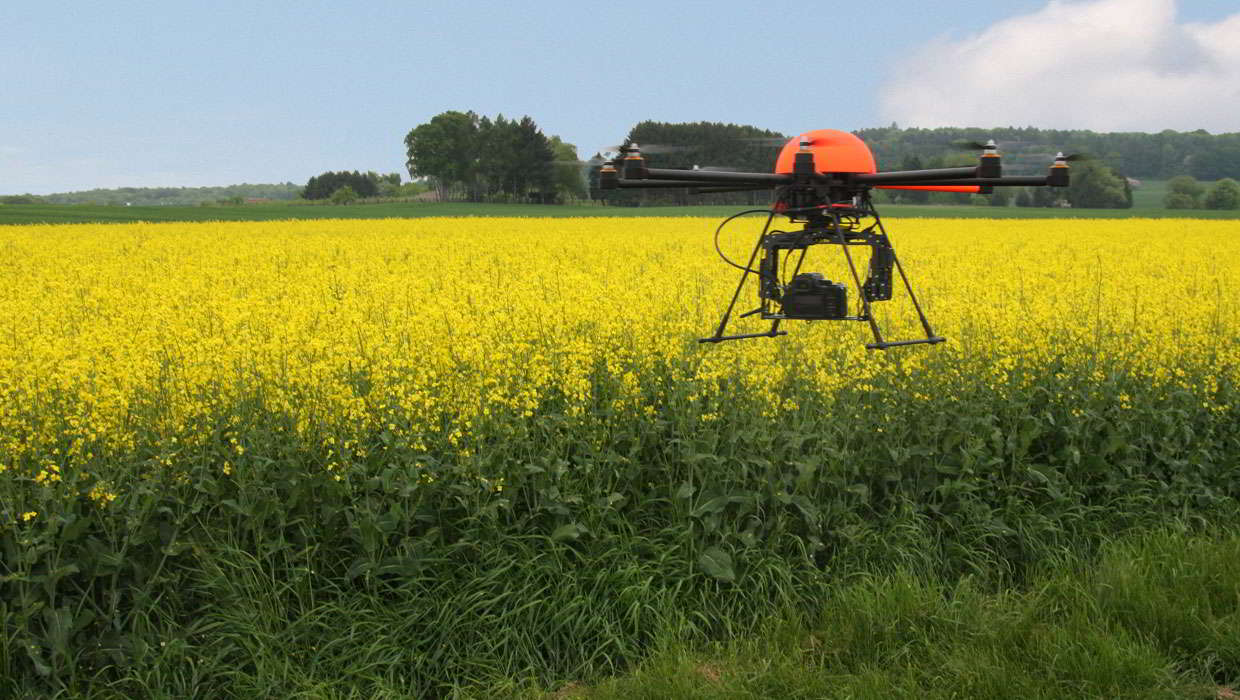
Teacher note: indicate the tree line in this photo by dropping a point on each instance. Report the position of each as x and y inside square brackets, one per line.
[709, 145]
[1159, 156]
[466, 156]
[1184, 192]
[155, 196]
[370, 184]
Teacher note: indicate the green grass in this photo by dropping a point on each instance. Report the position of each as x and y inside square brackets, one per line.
[1151, 193]
[81, 213]
[857, 544]
[1155, 615]
[968, 554]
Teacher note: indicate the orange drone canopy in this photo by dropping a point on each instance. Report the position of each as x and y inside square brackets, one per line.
[834, 152]
[841, 152]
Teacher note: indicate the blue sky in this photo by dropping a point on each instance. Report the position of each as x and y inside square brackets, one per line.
[194, 93]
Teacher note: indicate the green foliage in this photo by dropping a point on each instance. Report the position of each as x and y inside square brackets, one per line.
[445, 148]
[344, 195]
[1151, 616]
[1180, 200]
[410, 189]
[1048, 196]
[565, 545]
[1225, 194]
[477, 158]
[176, 196]
[1030, 150]
[21, 199]
[325, 185]
[1185, 184]
[1183, 192]
[570, 175]
[1095, 186]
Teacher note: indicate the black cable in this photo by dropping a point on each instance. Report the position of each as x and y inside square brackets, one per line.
[769, 219]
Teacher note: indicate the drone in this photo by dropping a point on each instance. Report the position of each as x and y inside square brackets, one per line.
[822, 181]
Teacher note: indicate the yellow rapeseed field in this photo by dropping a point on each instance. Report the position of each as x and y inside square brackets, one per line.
[433, 332]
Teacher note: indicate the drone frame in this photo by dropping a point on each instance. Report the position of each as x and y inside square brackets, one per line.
[839, 225]
[831, 205]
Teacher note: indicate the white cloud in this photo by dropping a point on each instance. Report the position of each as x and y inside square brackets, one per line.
[1106, 65]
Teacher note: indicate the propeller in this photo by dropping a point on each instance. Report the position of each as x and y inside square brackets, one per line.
[967, 145]
[598, 160]
[772, 141]
[1061, 158]
[647, 148]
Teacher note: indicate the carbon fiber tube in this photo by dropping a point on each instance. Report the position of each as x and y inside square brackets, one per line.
[656, 184]
[911, 177]
[718, 177]
[990, 181]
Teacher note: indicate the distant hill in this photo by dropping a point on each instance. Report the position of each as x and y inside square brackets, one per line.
[1028, 150]
[149, 196]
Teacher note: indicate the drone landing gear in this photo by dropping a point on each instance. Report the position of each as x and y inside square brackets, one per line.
[808, 296]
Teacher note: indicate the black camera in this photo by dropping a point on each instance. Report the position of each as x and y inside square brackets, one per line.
[810, 297]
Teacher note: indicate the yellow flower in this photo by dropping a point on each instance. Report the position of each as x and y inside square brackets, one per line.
[120, 338]
[101, 495]
[48, 475]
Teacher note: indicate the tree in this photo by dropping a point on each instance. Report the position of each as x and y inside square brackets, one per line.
[463, 154]
[532, 171]
[445, 149]
[1183, 192]
[569, 175]
[1218, 160]
[1179, 200]
[322, 186]
[1023, 198]
[1096, 186]
[1047, 196]
[344, 195]
[385, 185]
[1224, 195]
[1001, 197]
[20, 199]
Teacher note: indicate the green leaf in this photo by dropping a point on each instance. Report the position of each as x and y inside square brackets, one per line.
[717, 563]
[36, 657]
[569, 531]
[859, 490]
[76, 527]
[685, 491]
[714, 505]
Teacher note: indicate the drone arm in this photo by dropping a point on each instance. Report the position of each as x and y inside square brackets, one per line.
[738, 188]
[993, 181]
[908, 177]
[968, 189]
[718, 177]
[659, 184]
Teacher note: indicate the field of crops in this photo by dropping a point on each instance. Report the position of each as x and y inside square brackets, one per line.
[413, 455]
[1149, 205]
